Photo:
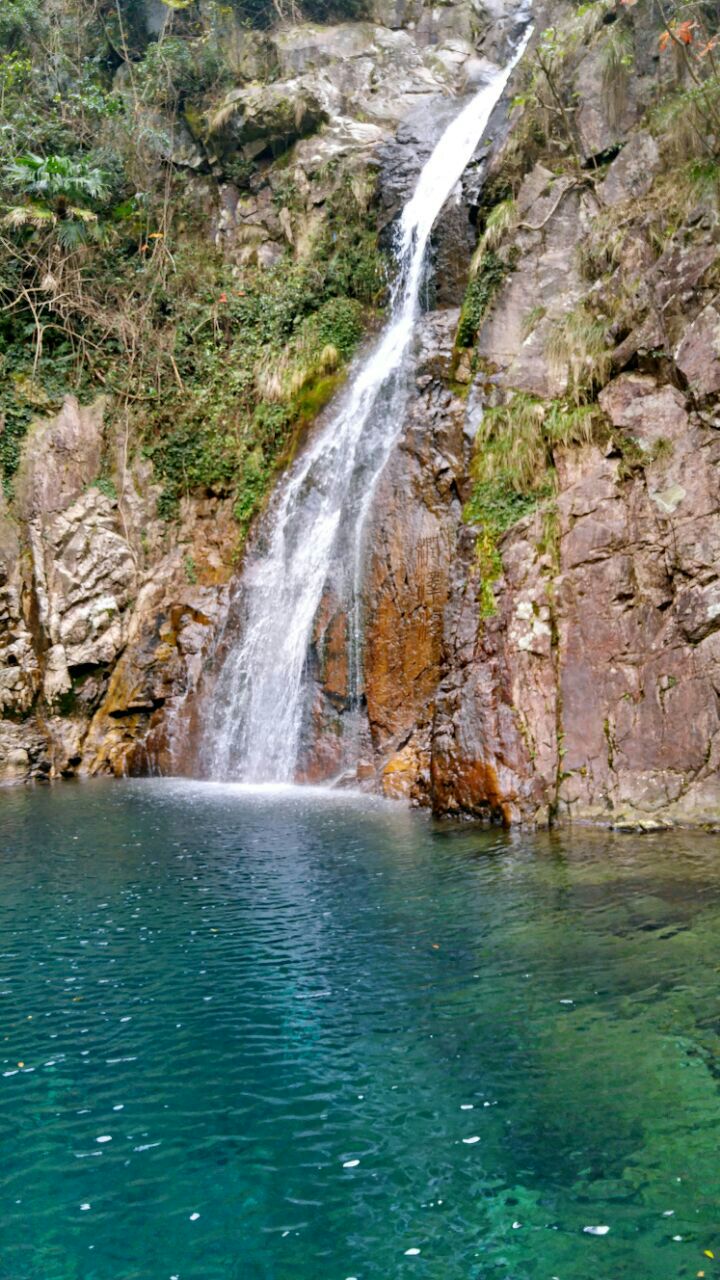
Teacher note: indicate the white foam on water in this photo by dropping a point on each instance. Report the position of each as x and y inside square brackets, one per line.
[290, 793]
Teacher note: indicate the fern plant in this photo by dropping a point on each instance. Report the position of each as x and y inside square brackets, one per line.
[57, 192]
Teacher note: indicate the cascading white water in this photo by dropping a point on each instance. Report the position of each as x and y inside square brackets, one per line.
[255, 716]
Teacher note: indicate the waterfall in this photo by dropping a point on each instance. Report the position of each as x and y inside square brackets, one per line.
[316, 519]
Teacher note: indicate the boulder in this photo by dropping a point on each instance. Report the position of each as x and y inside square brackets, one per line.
[648, 413]
[633, 172]
[698, 354]
[23, 752]
[61, 456]
[599, 127]
[268, 117]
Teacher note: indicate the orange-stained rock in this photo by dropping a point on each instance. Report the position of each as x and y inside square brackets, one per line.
[412, 538]
[472, 786]
[330, 644]
[405, 775]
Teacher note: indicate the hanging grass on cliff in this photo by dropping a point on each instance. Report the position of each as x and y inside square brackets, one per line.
[514, 469]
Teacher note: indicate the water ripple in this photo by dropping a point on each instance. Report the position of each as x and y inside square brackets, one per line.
[297, 1034]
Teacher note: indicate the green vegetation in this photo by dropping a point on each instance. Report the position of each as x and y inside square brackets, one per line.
[634, 458]
[531, 320]
[498, 225]
[256, 363]
[490, 274]
[110, 282]
[58, 192]
[515, 441]
[549, 97]
[514, 469]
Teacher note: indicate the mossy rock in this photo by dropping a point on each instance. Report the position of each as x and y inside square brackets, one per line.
[266, 118]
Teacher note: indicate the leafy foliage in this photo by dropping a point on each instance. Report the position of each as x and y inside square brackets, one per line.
[481, 290]
[108, 280]
[61, 180]
[257, 365]
[20, 21]
[57, 191]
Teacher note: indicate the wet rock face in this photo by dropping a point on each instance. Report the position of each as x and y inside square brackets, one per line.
[412, 542]
[593, 690]
[344, 99]
[495, 751]
[442, 689]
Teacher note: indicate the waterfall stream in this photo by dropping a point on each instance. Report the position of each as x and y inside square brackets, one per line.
[315, 523]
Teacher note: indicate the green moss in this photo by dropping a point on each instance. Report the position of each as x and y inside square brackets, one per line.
[489, 562]
[314, 396]
[635, 458]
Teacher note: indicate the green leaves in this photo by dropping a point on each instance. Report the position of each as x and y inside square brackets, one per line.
[57, 190]
[55, 178]
[20, 21]
[480, 292]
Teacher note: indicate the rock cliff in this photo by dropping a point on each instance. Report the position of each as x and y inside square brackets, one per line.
[541, 595]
